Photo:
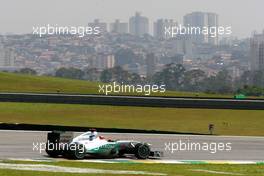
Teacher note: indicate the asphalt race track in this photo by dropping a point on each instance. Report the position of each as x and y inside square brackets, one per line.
[19, 144]
[146, 101]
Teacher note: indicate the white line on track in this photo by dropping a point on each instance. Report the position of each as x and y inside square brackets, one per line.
[215, 172]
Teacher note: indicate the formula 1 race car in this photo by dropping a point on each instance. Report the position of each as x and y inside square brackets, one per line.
[90, 144]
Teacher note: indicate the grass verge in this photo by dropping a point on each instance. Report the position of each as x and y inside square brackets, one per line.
[227, 122]
[11, 82]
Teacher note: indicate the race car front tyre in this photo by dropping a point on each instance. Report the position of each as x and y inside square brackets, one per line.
[142, 151]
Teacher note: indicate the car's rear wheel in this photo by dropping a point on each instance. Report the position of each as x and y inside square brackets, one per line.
[77, 151]
[142, 151]
[121, 154]
[52, 150]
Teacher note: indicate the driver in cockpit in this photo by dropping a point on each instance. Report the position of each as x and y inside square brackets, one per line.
[93, 134]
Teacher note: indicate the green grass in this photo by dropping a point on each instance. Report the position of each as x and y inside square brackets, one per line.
[169, 169]
[227, 122]
[11, 82]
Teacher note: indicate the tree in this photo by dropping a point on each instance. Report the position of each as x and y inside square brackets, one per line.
[72, 73]
[251, 91]
[27, 71]
[116, 74]
[106, 76]
[91, 74]
[194, 80]
[221, 83]
[135, 79]
[258, 78]
[251, 79]
[119, 75]
[171, 76]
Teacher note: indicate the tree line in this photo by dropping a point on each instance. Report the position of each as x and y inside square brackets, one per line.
[174, 76]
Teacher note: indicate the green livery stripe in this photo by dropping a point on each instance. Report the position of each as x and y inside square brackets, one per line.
[103, 149]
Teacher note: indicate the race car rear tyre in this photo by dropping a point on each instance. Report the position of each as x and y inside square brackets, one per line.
[121, 154]
[52, 150]
[77, 151]
[142, 151]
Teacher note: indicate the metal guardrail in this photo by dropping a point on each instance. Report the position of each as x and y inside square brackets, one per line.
[171, 102]
[37, 127]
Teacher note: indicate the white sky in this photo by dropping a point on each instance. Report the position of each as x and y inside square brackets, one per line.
[19, 16]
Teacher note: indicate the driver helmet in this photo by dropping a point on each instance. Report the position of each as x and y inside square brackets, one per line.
[93, 134]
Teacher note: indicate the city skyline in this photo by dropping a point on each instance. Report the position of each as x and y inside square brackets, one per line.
[20, 18]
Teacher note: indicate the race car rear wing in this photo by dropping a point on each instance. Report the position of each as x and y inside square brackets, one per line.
[60, 137]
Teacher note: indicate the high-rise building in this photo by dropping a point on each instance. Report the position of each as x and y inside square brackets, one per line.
[119, 27]
[213, 22]
[202, 20]
[7, 57]
[138, 25]
[257, 51]
[151, 64]
[103, 61]
[96, 23]
[160, 28]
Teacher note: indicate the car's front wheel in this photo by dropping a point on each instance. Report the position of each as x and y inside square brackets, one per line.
[142, 151]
